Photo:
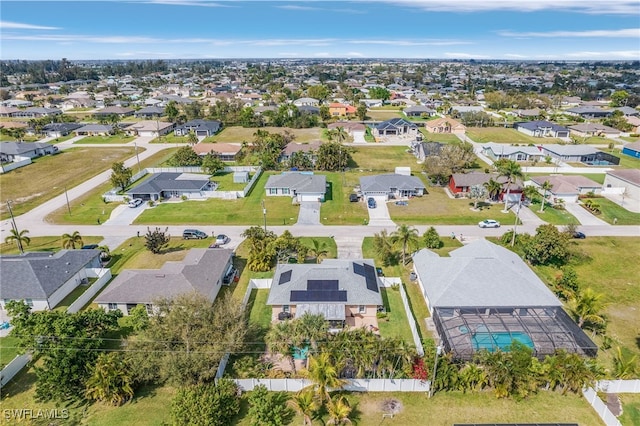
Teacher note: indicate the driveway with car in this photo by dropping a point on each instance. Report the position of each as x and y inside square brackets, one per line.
[125, 215]
[379, 216]
[309, 213]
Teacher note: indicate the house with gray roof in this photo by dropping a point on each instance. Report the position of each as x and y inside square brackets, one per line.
[422, 150]
[586, 111]
[499, 151]
[624, 181]
[150, 112]
[484, 296]
[58, 130]
[202, 128]
[94, 130]
[44, 279]
[114, 110]
[585, 130]
[392, 185]
[15, 151]
[168, 185]
[345, 292]
[566, 188]
[37, 112]
[418, 111]
[541, 128]
[395, 127]
[580, 153]
[203, 271]
[303, 186]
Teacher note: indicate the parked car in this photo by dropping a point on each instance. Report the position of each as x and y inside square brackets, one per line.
[135, 202]
[489, 223]
[579, 235]
[193, 234]
[354, 198]
[222, 239]
[90, 246]
[371, 203]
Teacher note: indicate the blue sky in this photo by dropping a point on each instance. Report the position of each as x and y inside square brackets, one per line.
[438, 29]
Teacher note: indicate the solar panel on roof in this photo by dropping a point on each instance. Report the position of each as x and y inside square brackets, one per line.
[371, 278]
[322, 285]
[358, 269]
[285, 277]
[318, 296]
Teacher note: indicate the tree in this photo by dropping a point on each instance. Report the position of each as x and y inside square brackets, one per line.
[619, 98]
[192, 138]
[361, 111]
[306, 404]
[333, 156]
[281, 339]
[379, 93]
[625, 365]
[318, 250]
[383, 248]
[185, 157]
[206, 404]
[70, 241]
[405, 237]
[324, 375]
[431, 238]
[120, 175]
[19, 237]
[586, 307]
[157, 240]
[268, 408]
[546, 186]
[493, 188]
[547, 246]
[318, 91]
[512, 171]
[477, 193]
[138, 318]
[566, 284]
[313, 327]
[171, 111]
[110, 380]
[262, 254]
[452, 158]
[212, 164]
[339, 410]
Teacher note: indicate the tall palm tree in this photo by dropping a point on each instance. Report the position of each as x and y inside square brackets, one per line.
[324, 375]
[587, 306]
[339, 411]
[546, 186]
[318, 250]
[305, 403]
[70, 241]
[407, 237]
[312, 327]
[111, 381]
[531, 192]
[340, 134]
[512, 171]
[19, 237]
[281, 339]
[493, 188]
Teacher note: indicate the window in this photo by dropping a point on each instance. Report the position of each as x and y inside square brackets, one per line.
[113, 306]
[285, 308]
[285, 191]
[29, 302]
[362, 309]
[273, 191]
[149, 307]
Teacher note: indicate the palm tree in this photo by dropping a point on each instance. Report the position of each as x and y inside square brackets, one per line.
[383, 247]
[19, 237]
[312, 327]
[318, 250]
[324, 375]
[69, 241]
[531, 192]
[339, 411]
[110, 381]
[624, 365]
[192, 138]
[281, 339]
[340, 134]
[493, 188]
[407, 237]
[305, 403]
[512, 171]
[546, 186]
[587, 307]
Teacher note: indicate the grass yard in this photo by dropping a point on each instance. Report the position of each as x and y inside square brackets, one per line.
[44, 244]
[48, 176]
[85, 210]
[438, 137]
[382, 158]
[170, 138]
[394, 323]
[627, 161]
[71, 297]
[328, 243]
[337, 210]
[551, 215]
[25, 138]
[243, 211]
[8, 350]
[239, 134]
[259, 311]
[225, 182]
[611, 210]
[631, 409]
[505, 135]
[384, 114]
[105, 139]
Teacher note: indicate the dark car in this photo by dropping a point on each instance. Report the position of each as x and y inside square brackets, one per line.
[90, 247]
[354, 198]
[371, 203]
[579, 235]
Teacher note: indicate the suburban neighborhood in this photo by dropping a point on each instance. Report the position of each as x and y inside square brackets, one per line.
[320, 241]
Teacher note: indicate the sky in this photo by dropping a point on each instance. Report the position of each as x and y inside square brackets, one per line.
[426, 29]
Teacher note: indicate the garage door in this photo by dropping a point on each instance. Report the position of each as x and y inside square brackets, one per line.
[307, 197]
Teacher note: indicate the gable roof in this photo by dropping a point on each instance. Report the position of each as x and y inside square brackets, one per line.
[299, 182]
[114, 110]
[571, 184]
[61, 127]
[395, 123]
[38, 275]
[439, 122]
[160, 182]
[540, 124]
[570, 149]
[301, 147]
[106, 128]
[385, 182]
[480, 274]
[504, 149]
[635, 146]
[149, 126]
[17, 148]
[200, 271]
[476, 178]
[210, 125]
[218, 147]
[629, 175]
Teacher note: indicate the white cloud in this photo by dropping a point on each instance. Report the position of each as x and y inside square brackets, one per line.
[410, 42]
[323, 55]
[615, 54]
[462, 55]
[515, 56]
[625, 33]
[6, 25]
[354, 55]
[626, 7]
[297, 7]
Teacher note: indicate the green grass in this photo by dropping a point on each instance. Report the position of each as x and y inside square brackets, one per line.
[337, 209]
[395, 323]
[71, 297]
[151, 406]
[328, 243]
[505, 135]
[86, 209]
[551, 215]
[243, 211]
[8, 349]
[611, 210]
[382, 158]
[105, 139]
[170, 138]
[384, 114]
[630, 409]
[225, 182]
[44, 244]
[26, 138]
[239, 134]
[439, 137]
[48, 176]
[627, 161]
[259, 311]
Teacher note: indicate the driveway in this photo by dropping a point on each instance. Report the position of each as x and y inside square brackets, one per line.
[583, 216]
[348, 247]
[309, 213]
[125, 215]
[380, 215]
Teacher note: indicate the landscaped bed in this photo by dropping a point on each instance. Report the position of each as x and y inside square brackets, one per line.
[612, 212]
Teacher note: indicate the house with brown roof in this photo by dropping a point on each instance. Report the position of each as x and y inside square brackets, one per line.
[445, 125]
[566, 188]
[308, 149]
[114, 110]
[340, 110]
[585, 130]
[224, 151]
[150, 128]
[623, 181]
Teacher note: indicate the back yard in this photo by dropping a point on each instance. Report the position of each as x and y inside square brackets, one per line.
[505, 135]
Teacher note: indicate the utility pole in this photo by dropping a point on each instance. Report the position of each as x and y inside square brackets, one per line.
[67, 197]
[15, 228]
[515, 226]
[135, 143]
[435, 369]
[264, 214]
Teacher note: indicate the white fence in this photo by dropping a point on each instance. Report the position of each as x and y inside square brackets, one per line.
[252, 182]
[355, 385]
[104, 275]
[601, 408]
[13, 368]
[619, 386]
[16, 164]
[388, 282]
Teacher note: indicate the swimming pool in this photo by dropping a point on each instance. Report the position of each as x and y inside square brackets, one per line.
[300, 353]
[499, 340]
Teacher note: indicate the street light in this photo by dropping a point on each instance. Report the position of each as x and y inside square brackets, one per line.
[135, 143]
[264, 214]
[435, 368]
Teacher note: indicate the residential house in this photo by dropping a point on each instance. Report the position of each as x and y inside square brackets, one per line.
[483, 296]
[566, 188]
[585, 130]
[632, 149]
[354, 129]
[392, 185]
[445, 125]
[499, 151]
[37, 112]
[150, 112]
[528, 113]
[372, 103]
[308, 109]
[308, 149]
[635, 123]
[419, 111]
[589, 112]
[44, 279]
[303, 186]
[224, 151]
[541, 128]
[58, 130]
[8, 111]
[306, 102]
[422, 150]
[95, 130]
[15, 151]
[149, 128]
[16, 103]
[76, 103]
[203, 271]
[345, 292]
[341, 110]
[114, 110]
[168, 185]
[627, 111]
[463, 109]
[395, 127]
[580, 153]
[461, 183]
[202, 128]
[623, 181]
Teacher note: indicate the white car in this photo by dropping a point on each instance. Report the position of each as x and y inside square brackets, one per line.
[222, 239]
[135, 202]
[489, 223]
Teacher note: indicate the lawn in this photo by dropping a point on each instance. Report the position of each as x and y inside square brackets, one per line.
[8, 350]
[85, 210]
[44, 244]
[394, 323]
[170, 138]
[627, 161]
[239, 134]
[225, 182]
[611, 210]
[328, 243]
[505, 135]
[384, 114]
[105, 139]
[438, 137]
[375, 158]
[551, 215]
[337, 210]
[631, 409]
[71, 297]
[48, 176]
[25, 138]
[243, 211]
[259, 311]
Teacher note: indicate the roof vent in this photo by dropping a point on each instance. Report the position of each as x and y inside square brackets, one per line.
[46, 266]
[68, 263]
[160, 276]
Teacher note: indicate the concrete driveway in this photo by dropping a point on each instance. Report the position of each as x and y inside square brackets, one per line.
[309, 213]
[583, 216]
[125, 215]
[380, 215]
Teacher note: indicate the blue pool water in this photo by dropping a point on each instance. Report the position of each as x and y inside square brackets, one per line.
[500, 340]
[300, 353]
